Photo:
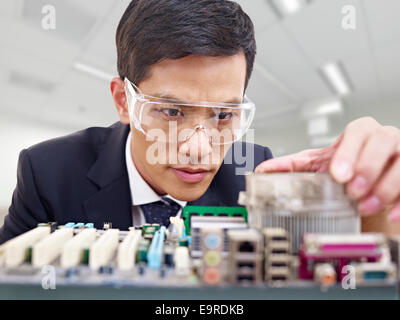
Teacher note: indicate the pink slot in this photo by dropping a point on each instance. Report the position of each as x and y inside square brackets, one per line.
[350, 246]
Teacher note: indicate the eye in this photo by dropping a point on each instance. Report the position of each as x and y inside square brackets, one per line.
[225, 115]
[170, 112]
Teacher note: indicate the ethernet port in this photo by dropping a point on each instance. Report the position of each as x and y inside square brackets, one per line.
[246, 246]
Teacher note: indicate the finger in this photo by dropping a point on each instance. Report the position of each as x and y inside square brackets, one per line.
[354, 137]
[302, 161]
[394, 215]
[369, 167]
[385, 192]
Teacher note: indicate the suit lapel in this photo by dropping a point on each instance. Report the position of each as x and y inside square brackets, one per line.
[112, 203]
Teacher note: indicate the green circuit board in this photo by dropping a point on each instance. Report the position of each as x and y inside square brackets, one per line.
[189, 211]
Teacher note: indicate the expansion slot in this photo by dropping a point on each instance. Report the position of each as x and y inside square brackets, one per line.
[74, 249]
[127, 250]
[49, 248]
[16, 250]
[102, 251]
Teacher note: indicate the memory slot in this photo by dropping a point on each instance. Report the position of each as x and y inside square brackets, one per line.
[16, 250]
[102, 251]
[73, 250]
[49, 248]
[127, 250]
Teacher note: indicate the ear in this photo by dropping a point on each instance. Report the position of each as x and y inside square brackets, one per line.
[119, 97]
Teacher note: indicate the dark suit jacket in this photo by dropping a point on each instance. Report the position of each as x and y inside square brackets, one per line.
[82, 177]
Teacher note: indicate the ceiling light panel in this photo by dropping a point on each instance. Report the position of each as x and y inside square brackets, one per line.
[334, 74]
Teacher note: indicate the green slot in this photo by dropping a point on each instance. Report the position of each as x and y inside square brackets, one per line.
[28, 255]
[214, 211]
[85, 256]
[141, 254]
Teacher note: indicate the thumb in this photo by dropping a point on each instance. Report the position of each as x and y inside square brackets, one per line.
[303, 161]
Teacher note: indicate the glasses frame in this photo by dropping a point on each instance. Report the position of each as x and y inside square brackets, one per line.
[134, 95]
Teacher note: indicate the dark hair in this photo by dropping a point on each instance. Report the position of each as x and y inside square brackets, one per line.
[154, 30]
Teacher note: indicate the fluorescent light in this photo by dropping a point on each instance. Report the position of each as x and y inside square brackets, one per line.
[335, 76]
[334, 106]
[318, 126]
[291, 6]
[93, 71]
[322, 108]
[287, 7]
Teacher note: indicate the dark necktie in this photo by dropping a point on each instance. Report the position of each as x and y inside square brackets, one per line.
[160, 211]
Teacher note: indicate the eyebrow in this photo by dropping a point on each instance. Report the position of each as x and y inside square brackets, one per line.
[177, 100]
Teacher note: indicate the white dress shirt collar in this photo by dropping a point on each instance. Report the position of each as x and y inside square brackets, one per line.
[141, 192]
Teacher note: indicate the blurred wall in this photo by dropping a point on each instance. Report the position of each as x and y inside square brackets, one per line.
[17, 133]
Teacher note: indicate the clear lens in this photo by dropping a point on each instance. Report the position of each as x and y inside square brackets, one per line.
[171, 122]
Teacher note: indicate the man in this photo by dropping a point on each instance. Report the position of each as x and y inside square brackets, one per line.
[183, 70]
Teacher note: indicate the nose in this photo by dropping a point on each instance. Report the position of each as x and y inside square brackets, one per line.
[197, 147]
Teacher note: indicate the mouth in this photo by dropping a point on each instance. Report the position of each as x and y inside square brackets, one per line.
[190, 174]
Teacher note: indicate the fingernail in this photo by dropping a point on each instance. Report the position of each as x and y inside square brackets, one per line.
[342, 171]
[370, 205]
[358, 187]
[394, 215]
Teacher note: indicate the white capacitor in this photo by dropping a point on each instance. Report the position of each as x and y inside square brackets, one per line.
[325, 274]
[182, 261]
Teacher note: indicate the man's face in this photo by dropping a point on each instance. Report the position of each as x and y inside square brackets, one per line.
[192, 78]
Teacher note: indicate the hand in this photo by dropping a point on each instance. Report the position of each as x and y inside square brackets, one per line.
[366, 157]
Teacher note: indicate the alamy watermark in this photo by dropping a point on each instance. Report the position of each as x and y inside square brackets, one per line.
[49, 277]
[173, 149]
[349, 277]
[349, 19]
[48, 17]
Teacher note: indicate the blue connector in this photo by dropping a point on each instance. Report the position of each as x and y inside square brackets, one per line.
[69, 225]
[89, 225]
[154, 254]
[79, 225]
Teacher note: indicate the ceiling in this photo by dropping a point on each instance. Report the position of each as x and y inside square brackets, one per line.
[38, 80]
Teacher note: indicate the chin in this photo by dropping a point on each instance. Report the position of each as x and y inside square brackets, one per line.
[188, 192]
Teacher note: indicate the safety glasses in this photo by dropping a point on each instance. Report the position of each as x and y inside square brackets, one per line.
[177, 121]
